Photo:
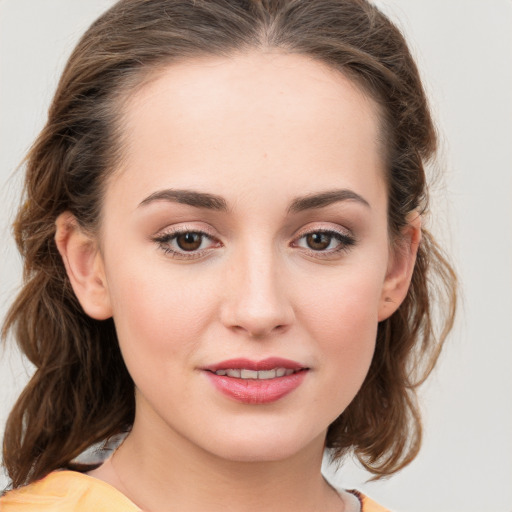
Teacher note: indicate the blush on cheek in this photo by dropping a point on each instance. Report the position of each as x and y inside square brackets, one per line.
[159, 319]
[345, 326]
[348, 308]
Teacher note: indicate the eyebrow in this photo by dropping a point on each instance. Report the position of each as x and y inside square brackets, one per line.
[322, 199]
[189, 197]
[218, 203]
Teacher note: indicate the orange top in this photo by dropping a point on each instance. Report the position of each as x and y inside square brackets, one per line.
[67, 491]
[70, 491]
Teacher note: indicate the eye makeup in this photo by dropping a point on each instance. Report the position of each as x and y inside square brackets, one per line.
[326, 240]
[188, 243]
[324, 243]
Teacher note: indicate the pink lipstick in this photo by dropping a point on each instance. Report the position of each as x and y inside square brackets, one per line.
[256, 382]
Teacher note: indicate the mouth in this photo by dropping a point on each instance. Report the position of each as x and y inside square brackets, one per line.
[245, 373]
[256, 382]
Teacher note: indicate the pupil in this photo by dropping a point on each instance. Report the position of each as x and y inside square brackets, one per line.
[318, 241]
[189, 241]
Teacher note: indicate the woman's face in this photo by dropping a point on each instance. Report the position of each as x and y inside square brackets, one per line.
[245, 236]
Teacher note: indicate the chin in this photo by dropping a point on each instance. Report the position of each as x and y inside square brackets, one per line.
[265, 444]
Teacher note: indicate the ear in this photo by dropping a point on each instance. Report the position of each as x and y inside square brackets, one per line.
[401, 266]
[84, 266]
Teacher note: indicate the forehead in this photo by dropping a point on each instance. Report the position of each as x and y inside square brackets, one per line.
[242, 118]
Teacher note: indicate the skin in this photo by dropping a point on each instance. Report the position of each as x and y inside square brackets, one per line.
[260, 130]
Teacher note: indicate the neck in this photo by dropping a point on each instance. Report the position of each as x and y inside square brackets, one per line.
[166, 472]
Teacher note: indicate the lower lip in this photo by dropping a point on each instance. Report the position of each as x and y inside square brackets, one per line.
[256, 391]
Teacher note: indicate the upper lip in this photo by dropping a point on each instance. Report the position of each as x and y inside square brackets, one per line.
[248, 364]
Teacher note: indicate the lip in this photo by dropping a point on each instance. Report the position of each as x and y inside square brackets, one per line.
[265, 364]
[255, 391]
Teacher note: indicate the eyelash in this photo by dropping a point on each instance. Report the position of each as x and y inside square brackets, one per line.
[164, 241]
[346, 242]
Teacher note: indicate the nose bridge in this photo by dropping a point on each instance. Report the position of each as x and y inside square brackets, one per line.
[256, 298]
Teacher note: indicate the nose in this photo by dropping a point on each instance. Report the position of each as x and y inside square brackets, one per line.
[256, 302]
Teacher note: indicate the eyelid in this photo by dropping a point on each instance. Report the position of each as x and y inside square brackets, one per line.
[323, 228]
[345, 237]
[166, 235]
[184, 228]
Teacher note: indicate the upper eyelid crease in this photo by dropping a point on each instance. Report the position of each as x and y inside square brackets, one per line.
[324, 229]
[180, 229]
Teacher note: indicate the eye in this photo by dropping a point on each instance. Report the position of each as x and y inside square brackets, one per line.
[186, 243]
[319, 241]
[325, 241]
[189, 241]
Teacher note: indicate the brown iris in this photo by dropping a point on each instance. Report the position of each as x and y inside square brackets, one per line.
[189, 241]
[318, 241]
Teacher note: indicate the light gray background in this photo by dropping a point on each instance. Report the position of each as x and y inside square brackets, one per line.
[464, 49]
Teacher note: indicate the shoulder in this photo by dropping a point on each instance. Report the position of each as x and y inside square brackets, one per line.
[367, 504]
[355, 501]
[66, 491]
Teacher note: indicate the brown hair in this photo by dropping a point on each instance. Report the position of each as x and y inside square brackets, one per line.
[81, 392]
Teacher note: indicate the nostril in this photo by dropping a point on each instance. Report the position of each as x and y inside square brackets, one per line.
[256, 312]
[259, 331]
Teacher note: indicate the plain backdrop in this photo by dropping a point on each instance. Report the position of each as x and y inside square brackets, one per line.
[464, 50]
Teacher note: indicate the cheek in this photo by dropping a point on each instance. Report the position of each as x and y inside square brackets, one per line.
[158, 316]
[345, 304]
[342, 316]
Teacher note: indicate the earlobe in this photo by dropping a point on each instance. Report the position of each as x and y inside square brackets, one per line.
[84, 266]
[401, 267]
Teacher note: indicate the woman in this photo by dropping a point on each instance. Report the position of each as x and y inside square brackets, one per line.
[225, 260]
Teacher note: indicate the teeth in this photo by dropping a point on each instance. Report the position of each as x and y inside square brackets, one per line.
[267, 374]
[253, 374]
[248, 374]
